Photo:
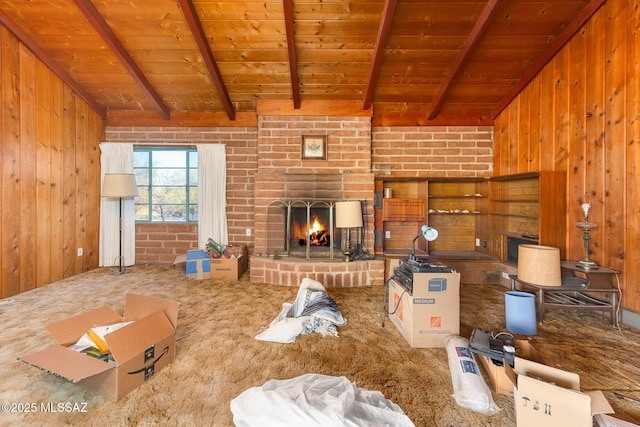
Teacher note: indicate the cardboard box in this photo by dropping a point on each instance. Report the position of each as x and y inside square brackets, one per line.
[139, 349]
[550, 397]
[198, 264]
[230, 268]
[429, 314]
[496, 373]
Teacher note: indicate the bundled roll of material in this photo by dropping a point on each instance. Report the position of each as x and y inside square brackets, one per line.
[539, 265]
[469, 388]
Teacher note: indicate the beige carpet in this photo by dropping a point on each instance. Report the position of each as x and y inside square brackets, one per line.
[218, 357]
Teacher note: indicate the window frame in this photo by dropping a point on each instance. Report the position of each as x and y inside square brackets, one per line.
[148, 189]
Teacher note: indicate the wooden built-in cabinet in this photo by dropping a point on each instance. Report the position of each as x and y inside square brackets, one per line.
[480, 215]
[399, 218]
[527, 208]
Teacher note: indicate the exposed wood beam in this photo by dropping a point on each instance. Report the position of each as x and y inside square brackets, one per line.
[195, 25]
[54, 67]
[381, 42]
[574, 26]
[108, 36]
[489, 11]
[291, 48]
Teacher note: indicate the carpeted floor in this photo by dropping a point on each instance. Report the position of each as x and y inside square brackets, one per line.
[218, 358]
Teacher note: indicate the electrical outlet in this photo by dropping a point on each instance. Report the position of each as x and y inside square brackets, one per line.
[477, 242]
[79, 251]
[247, 232]
[387, 234]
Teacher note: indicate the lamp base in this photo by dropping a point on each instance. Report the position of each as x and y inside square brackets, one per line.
[348, 254]
[587, 264]
[120, 272]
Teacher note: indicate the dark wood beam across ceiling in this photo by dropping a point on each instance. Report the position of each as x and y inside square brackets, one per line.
[480, 27]
[378, 51]
[207, 55]
[100, 25]
[53, 66]
[291, 48]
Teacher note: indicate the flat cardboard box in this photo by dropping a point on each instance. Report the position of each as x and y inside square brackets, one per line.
[230, 268]
[429, 314]
[496, 373]
[551, 397]
[139, 349]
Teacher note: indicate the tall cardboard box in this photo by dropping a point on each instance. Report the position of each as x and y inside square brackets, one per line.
[429, 314]
[139, 349]
[551, 397]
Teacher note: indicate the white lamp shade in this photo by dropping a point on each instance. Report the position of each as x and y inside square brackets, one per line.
[116, 185]
[348, 214]
[539, 265]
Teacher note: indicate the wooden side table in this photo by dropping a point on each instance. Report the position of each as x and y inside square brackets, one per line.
[574, 292]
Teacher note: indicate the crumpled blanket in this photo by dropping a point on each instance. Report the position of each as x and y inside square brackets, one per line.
[312, 311]
[315, 400]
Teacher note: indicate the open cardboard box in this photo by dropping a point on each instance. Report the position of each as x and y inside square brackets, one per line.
[199, 266]
[139, 349]
[230, 268]
[426, 317]
[496, 373]
[551, 397]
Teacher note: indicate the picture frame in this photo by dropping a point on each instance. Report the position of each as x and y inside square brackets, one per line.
[314, 147]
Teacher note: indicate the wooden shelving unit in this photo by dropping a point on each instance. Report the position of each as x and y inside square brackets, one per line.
[458, 209]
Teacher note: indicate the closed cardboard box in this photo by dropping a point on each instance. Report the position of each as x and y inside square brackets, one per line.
[429, 314]
[198, 264]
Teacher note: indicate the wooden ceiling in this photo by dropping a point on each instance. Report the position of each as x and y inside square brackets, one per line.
[411, 61]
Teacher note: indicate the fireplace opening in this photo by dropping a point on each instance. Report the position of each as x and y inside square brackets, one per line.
[316, 232]
[304, 229]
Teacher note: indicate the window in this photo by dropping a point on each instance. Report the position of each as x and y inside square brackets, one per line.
[167, 182]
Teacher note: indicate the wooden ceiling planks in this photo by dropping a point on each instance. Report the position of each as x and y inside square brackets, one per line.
[337, 46]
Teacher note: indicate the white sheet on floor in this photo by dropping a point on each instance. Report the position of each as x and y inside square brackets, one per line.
[314, 400]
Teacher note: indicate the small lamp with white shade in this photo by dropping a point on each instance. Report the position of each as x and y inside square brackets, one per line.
[348, 216]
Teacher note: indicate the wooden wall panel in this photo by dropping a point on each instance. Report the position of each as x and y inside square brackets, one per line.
[49, 173]
[10, 218]
[587, 98]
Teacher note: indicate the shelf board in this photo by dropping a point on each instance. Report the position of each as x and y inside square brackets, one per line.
[515, 215]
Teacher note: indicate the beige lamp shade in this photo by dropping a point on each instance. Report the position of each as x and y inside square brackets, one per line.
[539, 265]
[348, 214]
[117, 185]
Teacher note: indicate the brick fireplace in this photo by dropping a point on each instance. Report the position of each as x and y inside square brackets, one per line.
[283, 178]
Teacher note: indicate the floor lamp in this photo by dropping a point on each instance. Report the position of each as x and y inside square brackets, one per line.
[119, 186]
[348, 216]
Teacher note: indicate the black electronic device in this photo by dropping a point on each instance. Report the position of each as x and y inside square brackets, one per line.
[403, 274]
[498, 346]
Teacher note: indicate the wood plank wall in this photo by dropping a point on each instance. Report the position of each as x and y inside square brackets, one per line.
[581, 114]
[49, 174]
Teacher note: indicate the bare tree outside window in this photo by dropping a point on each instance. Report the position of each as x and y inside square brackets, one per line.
[167, 182]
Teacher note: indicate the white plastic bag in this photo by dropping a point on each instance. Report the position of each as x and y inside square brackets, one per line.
[469, 388]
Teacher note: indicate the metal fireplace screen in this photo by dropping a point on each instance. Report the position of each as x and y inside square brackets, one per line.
[303, 229]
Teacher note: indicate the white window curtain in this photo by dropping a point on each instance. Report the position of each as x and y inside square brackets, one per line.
[116, 158]
[212, 194]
